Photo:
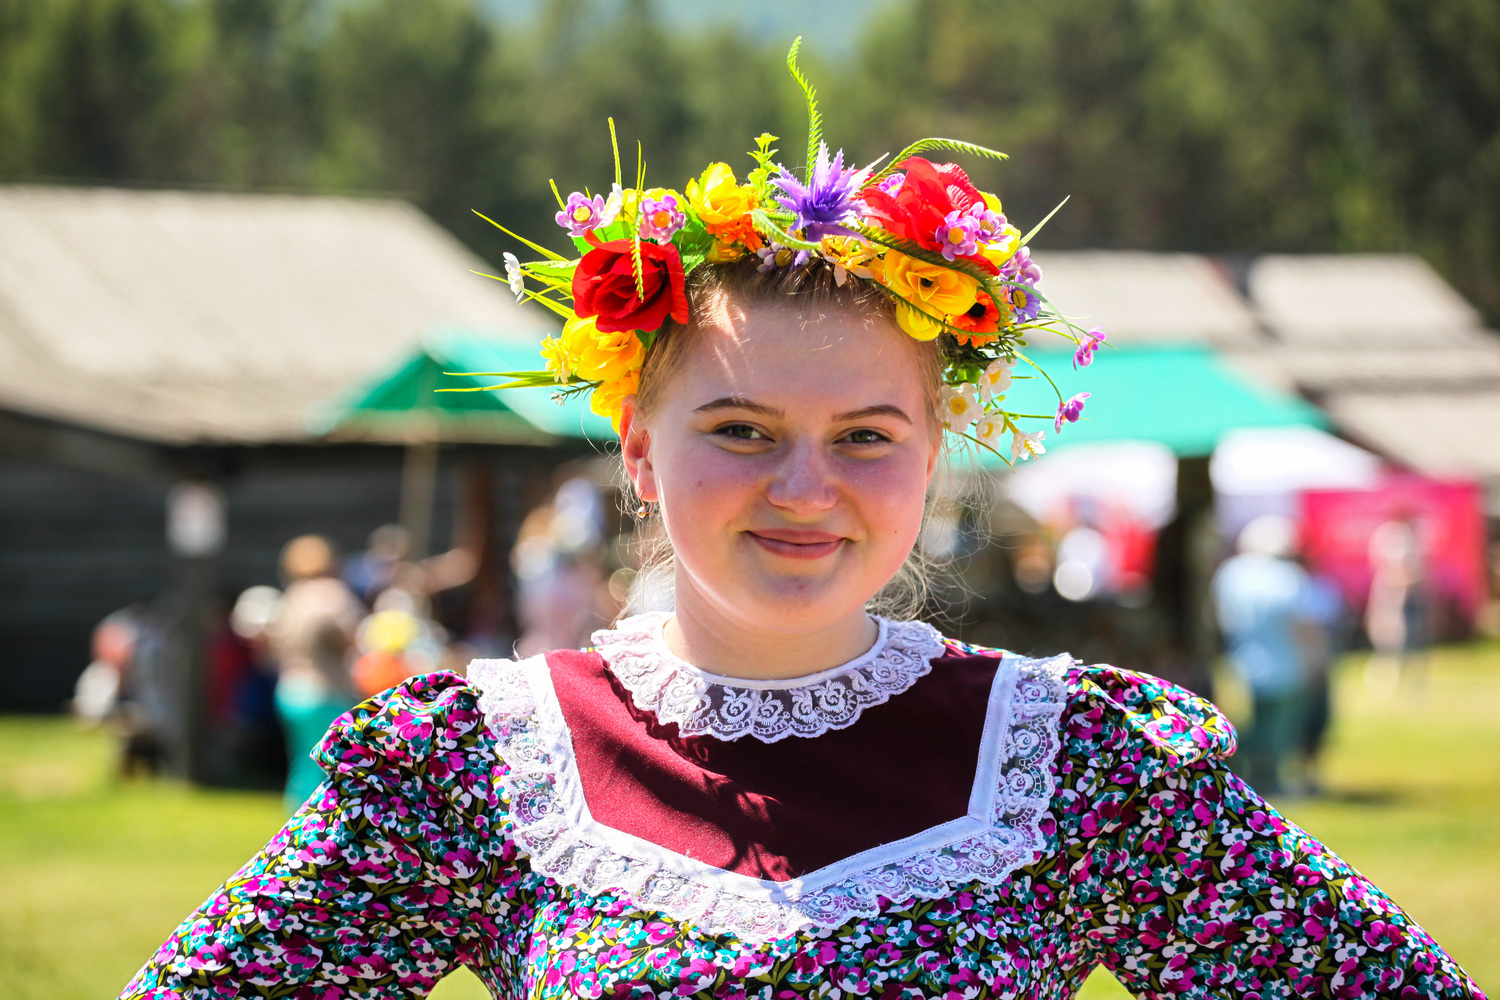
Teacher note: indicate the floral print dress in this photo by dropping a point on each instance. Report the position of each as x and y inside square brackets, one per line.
[930, 820]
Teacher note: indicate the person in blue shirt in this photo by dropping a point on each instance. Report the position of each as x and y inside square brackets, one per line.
[1260, 594]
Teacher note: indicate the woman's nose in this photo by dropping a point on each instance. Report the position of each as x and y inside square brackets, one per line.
[803, 481]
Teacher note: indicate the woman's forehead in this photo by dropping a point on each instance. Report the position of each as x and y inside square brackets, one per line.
[809, 356]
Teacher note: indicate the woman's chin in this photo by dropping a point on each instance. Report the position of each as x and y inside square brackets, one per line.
[799, 604]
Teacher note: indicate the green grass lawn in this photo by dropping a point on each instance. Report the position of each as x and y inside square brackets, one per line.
[94, 874]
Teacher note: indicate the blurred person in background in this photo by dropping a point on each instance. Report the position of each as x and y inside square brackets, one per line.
[1259, 595]
[310, 638]
[126, 688]
[1321, 631]
[562, 587]
[397, 640]
[1397, 617]
[96, 694]
[254, 739]
[369, 572]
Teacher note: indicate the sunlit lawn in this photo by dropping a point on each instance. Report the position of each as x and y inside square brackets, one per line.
[94, 874]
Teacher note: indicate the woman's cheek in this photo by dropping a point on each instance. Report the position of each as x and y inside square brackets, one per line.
[709, 485]
[893, 492]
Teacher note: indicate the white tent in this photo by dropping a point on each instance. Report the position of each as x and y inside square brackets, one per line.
[1263, 470]
[1140, 476]
[1278, 460]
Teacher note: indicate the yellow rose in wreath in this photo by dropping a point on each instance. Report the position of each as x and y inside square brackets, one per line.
[609, 399]
[599, 356]
[929, 289]
[724, 207]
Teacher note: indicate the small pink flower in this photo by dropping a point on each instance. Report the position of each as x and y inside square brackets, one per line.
[1084, 356]
[1069, 410]
[1383, 935]
[661, 218]
[959, 235]
[695, 975]
[581, 214]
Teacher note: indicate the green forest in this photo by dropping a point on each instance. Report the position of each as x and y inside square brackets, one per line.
[1223, 126]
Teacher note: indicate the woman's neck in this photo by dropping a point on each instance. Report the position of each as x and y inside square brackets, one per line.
[719, 643]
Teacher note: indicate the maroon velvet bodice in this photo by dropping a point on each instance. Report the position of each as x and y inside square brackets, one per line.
[779, 810]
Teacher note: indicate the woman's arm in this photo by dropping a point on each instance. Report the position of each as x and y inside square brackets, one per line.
[378, 886]
[1185, 883]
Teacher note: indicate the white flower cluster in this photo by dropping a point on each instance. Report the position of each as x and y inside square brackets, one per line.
[966, 411]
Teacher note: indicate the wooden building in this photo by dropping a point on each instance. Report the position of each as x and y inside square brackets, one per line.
[148, 339]
[153, 338]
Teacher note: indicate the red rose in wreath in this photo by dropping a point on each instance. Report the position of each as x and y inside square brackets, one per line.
[920, 205]
[604, 287]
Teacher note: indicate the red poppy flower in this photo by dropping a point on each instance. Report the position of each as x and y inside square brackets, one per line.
[604, 286]
[922, 203]
[981, 323]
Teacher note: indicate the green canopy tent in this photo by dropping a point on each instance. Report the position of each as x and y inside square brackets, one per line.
[1184, 397]
[403, 404]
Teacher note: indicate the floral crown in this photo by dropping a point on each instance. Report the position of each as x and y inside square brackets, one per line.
[943, 251]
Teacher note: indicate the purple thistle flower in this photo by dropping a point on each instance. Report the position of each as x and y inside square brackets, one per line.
[1069, 410]
[581, 214]
[958, 235]
[1084, 356]
[830, 202]
[776, 255]
[660, 218]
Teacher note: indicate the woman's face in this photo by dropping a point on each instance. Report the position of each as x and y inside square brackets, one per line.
[790, 460]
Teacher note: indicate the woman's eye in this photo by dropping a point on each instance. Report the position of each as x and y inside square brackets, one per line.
[740, 432]
[865, 436]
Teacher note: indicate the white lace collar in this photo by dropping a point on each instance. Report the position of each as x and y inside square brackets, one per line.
[552, 825]
[727, 708]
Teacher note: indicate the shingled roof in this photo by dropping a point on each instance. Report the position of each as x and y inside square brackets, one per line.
[1395, 357]
[191, 317]
[1359, 301]
[1149, 298]
[185, 317]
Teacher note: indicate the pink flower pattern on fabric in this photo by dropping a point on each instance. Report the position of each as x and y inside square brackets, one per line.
[1159, 864]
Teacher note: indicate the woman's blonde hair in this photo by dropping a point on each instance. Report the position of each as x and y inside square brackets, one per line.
[813, 290]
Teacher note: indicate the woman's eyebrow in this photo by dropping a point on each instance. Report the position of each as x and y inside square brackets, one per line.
[879, 410]
[740, 403]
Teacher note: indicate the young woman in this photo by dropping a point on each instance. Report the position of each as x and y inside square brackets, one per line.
[771, 792]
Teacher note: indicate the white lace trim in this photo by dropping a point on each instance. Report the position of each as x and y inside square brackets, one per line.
[729, 708]
[1012, 792]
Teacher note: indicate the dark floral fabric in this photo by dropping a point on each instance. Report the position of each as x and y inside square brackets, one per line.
[1160, 864]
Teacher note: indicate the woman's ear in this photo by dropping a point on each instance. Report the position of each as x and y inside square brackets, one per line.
[635, 449]
[935, 452]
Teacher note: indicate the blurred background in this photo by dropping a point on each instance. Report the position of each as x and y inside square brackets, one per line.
[238, 252]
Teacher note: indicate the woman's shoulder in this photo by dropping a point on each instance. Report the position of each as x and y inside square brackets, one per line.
[1111, 709]
[429, 727]
[1108, 712]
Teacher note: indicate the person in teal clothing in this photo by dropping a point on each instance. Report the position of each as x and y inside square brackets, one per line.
[1261, 596]
[310, 637]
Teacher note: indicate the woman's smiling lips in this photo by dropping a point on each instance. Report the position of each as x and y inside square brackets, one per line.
[795, 543]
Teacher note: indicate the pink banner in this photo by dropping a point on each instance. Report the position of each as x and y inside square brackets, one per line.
[1447, 517]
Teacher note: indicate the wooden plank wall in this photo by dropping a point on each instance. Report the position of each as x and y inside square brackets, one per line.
[76, 545]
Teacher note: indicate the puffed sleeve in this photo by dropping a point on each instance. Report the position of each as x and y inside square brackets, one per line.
[1185, 883]
[377, 886]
